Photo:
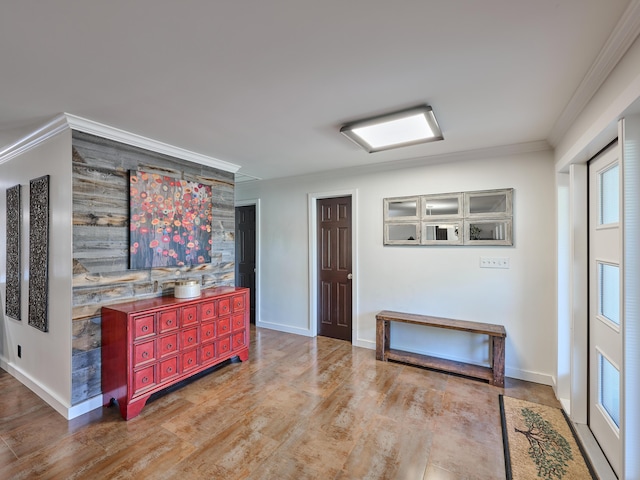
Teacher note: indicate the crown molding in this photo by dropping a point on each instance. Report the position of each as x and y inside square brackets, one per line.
[65, 122]
[30, 141]
[621, 38]
[466, 155]
[461, 156]
[116, 134]
[244, 178]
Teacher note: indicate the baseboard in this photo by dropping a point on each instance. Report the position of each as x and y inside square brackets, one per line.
[49, 397]
[371, 345]
[535, 377]
[84, 407]
[284, 328]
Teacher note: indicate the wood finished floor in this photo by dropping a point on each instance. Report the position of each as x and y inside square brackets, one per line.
[300, 408]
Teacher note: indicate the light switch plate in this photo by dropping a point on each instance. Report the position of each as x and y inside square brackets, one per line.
[494, 262]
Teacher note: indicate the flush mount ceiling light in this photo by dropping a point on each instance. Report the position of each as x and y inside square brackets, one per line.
[398, 129]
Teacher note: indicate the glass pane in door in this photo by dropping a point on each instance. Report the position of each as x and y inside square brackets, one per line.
[609, 386]
[609, 196]
[609, 291]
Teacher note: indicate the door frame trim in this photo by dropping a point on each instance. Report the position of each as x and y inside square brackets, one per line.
[247, 203]
[579, 235]
[577, 307]
[313, 261]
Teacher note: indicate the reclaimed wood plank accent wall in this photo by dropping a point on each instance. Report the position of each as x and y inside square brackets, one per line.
[101, 242]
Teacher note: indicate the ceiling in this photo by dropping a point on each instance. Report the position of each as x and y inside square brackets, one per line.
[266, 84]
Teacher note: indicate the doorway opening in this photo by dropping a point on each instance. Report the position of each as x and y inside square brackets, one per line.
[344, 295]
[334, 268]
[246, 252]
[606, 323]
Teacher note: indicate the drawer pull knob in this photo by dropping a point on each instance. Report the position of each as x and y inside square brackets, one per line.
[208, 333]
[169, 346]
[208, 312]
[145, 354]
[169, 322]
[169, 369]
[190, 317]
[190, 361]
[190, 339]
[145, 328]
[145, 379]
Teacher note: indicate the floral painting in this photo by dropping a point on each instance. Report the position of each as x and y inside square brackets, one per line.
[169, 222]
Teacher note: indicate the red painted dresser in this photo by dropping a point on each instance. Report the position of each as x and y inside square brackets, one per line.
[148, 345]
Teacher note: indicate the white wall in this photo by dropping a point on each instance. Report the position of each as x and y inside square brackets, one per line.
[440, 281]
[45, 366]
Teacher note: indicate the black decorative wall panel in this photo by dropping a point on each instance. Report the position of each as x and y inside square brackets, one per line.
[14, 222]
[39, 253]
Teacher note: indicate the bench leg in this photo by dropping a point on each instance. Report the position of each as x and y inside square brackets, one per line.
[497, 361]
[382, 339]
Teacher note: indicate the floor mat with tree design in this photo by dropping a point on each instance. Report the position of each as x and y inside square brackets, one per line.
[539, 443]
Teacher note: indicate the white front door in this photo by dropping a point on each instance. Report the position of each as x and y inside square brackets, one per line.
[605, 303]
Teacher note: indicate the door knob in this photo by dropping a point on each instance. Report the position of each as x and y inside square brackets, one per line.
[349, 276]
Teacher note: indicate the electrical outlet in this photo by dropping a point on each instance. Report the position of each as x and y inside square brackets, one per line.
[19, 351]
[494, 262]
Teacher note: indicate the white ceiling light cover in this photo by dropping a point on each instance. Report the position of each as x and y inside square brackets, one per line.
[398, 129]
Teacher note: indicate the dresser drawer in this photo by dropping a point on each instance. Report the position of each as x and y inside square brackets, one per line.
[144, 326]
[224, 345]
[238, 340]
[237, 321]
[223, 326]
[207, 331]
[168, 321]
[189, 315]
[188, 338]
[144, 352]
[168, 369]
[208, 311]
[168, 344]
[207, 353]
[224, 306]
[189, 360]
[238, 303]
[144, 379]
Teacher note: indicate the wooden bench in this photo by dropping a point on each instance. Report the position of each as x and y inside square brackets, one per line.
[493, 374]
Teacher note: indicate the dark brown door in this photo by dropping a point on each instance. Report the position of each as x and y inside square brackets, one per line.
[246, 252]
[334, 267]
